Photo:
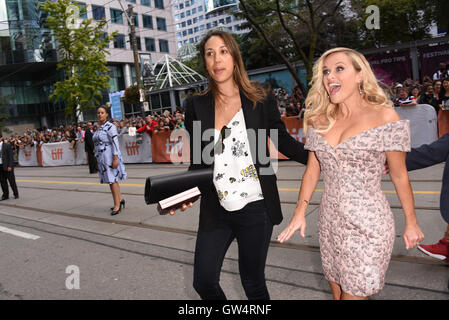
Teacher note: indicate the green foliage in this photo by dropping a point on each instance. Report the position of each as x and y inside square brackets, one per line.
[82, 55]
[400, 21]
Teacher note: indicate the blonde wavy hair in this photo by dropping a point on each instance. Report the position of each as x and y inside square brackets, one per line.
[318, 104]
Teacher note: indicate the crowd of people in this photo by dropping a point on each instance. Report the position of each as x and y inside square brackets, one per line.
[74, 133]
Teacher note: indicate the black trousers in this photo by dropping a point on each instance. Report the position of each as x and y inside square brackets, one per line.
[252, 228]
[6, 176]
[92, 161]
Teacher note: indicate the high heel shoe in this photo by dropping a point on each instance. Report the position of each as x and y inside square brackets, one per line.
[113, 213]
[122, 205]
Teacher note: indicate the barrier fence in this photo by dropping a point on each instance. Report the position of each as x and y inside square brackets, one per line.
[172, 146]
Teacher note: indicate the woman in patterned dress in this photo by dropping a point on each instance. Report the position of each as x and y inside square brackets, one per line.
[110, 163]
[351, 129]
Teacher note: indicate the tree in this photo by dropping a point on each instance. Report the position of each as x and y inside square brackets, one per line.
[291, 28]
[400, 21]
[82, 48]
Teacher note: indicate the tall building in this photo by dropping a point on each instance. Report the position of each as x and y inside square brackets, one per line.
[28, 56]
[194, 18]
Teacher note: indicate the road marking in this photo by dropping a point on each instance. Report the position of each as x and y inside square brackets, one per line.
[143, 185]
[19, 233]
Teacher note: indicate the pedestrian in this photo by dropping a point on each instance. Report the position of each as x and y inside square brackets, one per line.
[425, 156]
[89, 148]
[7, 170]
[242, 201]
[351, 129]
[110, 163]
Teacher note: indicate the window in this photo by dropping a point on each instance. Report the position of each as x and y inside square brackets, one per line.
[187, 3]
[116, 16]
[228, 20]
[147, 21]
[183, 24]
[184, 33]
[133, 1]
[193, 10]
[161, 25]
[196, 29]
[163, 45]
[98, 12]
[159, 4]
[190, 31]
[189, 22]
[119, 41]
[145, 3]
[188, 13]
[200, 8]
[181, 6]
[195, 20]
[183, 15]
[83, 10]
[150, 44]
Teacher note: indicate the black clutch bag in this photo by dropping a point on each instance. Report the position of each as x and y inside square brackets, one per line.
[161, 187]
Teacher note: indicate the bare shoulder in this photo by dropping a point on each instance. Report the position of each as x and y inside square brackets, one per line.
[387, 114]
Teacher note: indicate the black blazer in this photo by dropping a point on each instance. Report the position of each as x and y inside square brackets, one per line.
[428, 155]
[7, 156]
[88, 141]
[264, 116]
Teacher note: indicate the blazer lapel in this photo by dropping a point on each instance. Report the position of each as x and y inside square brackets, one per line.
[252, 124]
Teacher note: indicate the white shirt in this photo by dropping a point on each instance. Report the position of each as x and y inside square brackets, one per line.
[235, 176]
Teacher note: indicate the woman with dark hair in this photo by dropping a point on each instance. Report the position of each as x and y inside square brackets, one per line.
[110, 164]
[443, 100]
[235, 117]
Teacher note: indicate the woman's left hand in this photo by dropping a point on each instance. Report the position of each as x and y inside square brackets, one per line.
[115, 163]
[412, 236]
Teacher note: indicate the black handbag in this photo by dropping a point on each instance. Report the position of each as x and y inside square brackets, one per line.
[163, 186]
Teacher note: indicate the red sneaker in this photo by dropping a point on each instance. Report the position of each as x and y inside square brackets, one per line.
[438, 250]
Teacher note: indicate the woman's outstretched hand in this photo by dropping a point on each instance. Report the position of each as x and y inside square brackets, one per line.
[298, 222]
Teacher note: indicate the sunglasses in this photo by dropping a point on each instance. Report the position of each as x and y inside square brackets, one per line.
[219, 146]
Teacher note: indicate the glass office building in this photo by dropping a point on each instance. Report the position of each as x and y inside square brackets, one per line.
[28, 55]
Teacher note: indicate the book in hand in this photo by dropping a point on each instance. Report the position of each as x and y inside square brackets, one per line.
[176, 201]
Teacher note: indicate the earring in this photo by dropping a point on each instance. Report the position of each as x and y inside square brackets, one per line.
[360, 88]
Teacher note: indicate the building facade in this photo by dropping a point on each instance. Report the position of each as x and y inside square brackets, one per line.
[28, 56]
[194, 18]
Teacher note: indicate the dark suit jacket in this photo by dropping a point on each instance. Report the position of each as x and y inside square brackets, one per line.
[7, 156]
[88, 141]
[264, 116]
[428, 155]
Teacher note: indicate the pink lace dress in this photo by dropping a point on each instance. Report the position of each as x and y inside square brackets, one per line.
[356, 225]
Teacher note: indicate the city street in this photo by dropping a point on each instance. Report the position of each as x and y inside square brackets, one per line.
[69, 247]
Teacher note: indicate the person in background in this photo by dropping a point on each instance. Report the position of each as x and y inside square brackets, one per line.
[110, 163]
[89, 148]
[404, 99]
[7, 170]
[427, 97]
[441, 72]
[443, 100]
[425, 156]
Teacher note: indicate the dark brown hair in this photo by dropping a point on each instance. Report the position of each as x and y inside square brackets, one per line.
[252, 91]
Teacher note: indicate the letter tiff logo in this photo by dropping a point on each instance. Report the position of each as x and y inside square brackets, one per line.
[373, 21]
[73, 280]
[73, 21]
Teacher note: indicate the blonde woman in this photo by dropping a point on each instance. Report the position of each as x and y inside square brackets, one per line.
[352, 129]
